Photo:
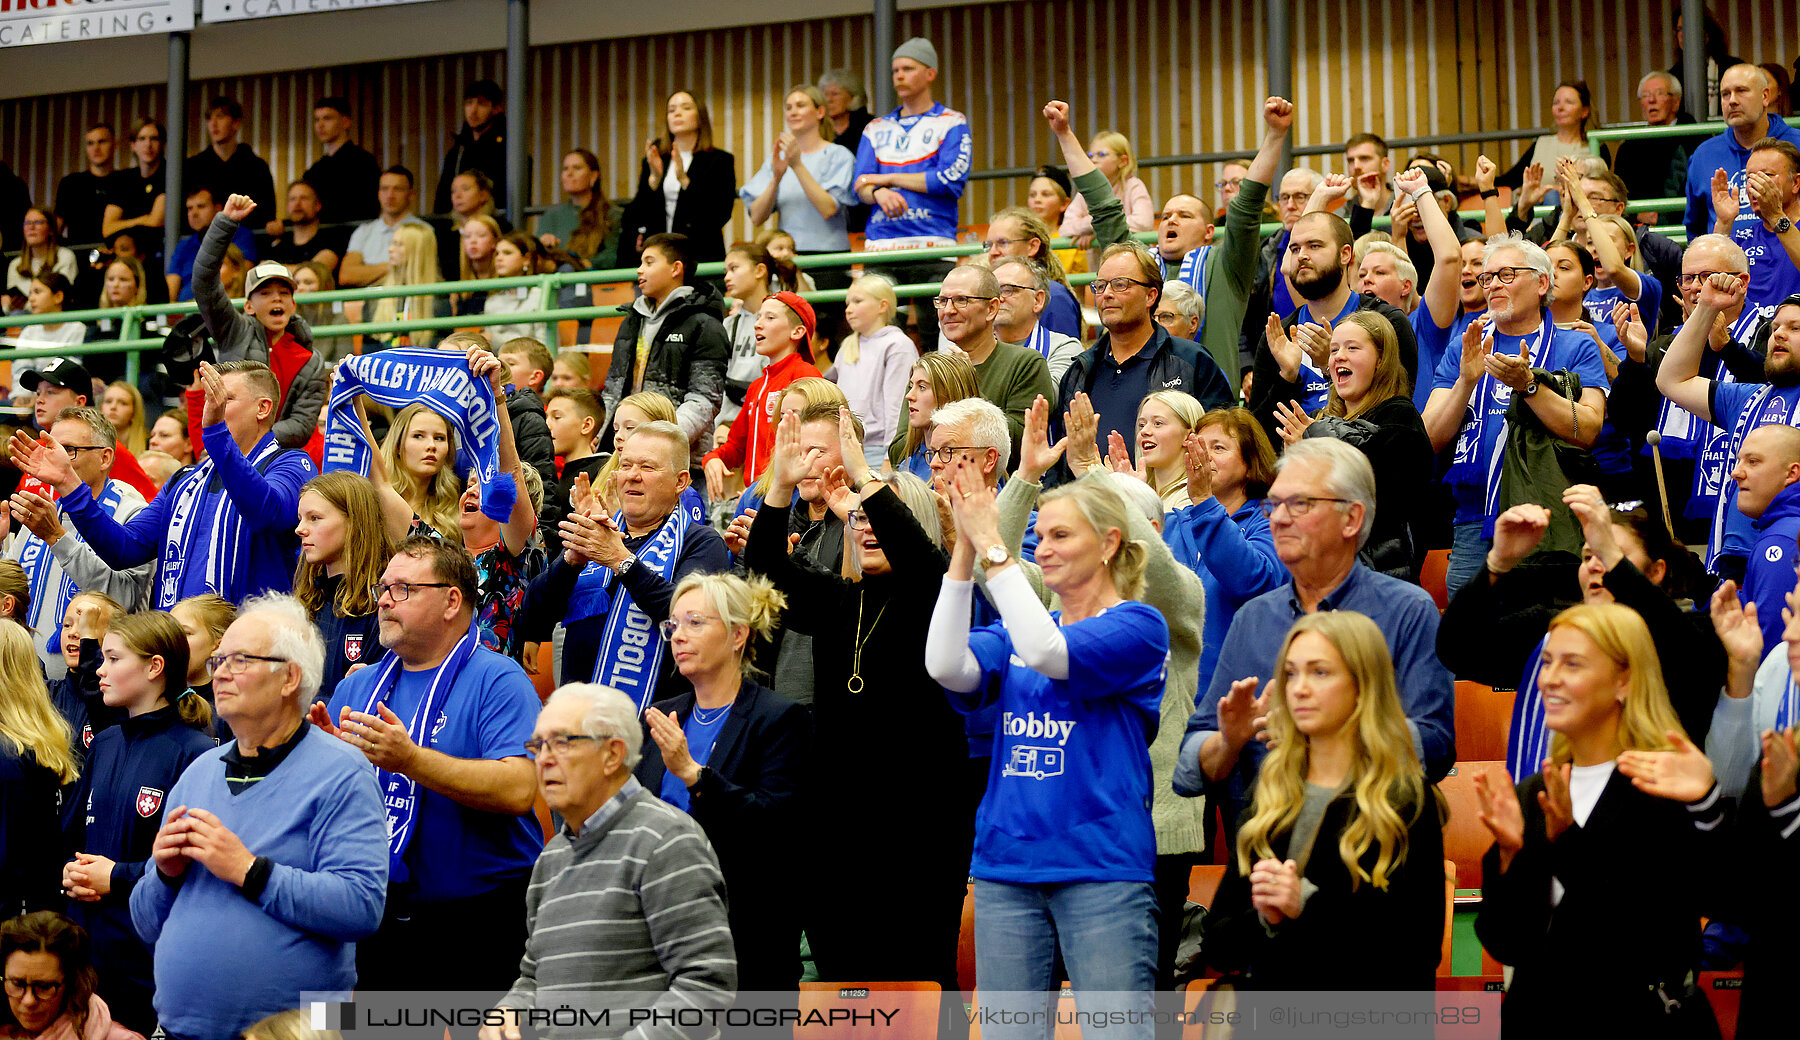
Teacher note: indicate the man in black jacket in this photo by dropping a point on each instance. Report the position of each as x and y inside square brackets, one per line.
[1318, 263]
[1135, 356]
[229, 167]
[347, 175]
[479, 145]
[672, 343]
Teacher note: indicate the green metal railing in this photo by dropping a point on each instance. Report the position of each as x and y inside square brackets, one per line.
[131, 320]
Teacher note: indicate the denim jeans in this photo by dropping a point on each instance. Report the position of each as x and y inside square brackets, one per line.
[1468, 551]
[1106, 931]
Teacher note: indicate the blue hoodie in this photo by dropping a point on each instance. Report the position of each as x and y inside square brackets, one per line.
[1770, 575]
[1722, 153]
[1068, 793]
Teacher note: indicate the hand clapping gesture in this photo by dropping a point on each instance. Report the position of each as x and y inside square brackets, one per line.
[1294, 422]
[1036, 454]
[1275, 889]
[1681, 774]
[666, 730]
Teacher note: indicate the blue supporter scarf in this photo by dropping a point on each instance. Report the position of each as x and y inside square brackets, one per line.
[1686, 436]
[225, 537]
[1488, 404]
[1528, 741]
[631, 649]
[441, 381]
[37, 560]
[1039, 340]
[399, 792]
[1789, 707]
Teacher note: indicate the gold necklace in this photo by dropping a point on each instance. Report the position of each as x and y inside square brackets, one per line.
[855, 683]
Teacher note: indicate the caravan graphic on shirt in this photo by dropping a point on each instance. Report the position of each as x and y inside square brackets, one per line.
[1036, 761]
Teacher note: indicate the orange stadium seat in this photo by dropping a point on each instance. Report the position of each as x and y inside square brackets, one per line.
[1431, 576]
[1483, 716]
[1466, 840]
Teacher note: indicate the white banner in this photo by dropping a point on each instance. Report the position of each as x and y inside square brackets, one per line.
[238, 10]
[27, 22]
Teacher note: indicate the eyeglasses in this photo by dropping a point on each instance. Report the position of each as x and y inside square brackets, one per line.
[400, 590]
[857, 518]
[1117, 285]
[691, 623]
[1293, 196]
[1658, 95]
[77, 449]
[995, 243]
[1232, 183]
[1007, 288]
[1698, 277]
[237, 661]
[558, 745]
[36, 222]
[1297, 505]
[1504, 276]
[1168, 317]
[1602, 198]
[948, 452]
[43, 989]
[944, 303]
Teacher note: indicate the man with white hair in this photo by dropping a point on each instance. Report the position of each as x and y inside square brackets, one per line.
[1656, 167]
[444, 720]
[272, 859]
[1320, 510]
[1024, 294]
[639, 898]
[1180, 309]
[1474, 386]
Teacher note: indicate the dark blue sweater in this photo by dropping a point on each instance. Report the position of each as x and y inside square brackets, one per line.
[131, 769]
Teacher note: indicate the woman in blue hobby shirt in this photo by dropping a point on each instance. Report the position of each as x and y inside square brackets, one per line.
[1064, 848]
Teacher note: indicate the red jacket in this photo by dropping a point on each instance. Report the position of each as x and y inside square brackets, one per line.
[752, 435]
[286, 358]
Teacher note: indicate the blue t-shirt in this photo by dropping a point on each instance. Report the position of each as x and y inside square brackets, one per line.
[1434, 343]
[1318, 387]
[181, 259]
[1478, 441]
[488, 714]
[1068, 795]
[701, 736]
[1773, 276]
[1601, 300]
[1732, 533]
[1611, 451]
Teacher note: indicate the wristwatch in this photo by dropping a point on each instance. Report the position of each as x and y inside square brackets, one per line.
[993, 556]
[1784, 225]
[629, 562]
[1530, 388]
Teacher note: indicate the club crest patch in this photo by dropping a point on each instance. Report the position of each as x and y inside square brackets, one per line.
[149, 799]
[353, 647]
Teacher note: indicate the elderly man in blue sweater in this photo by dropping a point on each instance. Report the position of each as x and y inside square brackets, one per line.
[227, 526]
[272, 859]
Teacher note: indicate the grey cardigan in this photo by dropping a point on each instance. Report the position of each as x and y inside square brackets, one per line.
[242, 338]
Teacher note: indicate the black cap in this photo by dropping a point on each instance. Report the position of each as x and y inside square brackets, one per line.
[1058, 176]
[64, 372]
[1434, 177]
[487, 90]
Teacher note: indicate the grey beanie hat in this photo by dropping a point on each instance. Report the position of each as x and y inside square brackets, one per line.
[918, 49]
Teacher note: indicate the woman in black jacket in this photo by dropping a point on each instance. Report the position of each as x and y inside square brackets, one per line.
[685, 185]
[1599, 872]
[1369, 405]
[1344, 837]
[38, 768]
[1493, 631]
[891, 754]
[735, 755]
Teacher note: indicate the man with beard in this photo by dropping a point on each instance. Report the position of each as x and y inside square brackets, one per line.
[1272, 294]
[1735, 408]
[1318, 264]
[1474, 387]
[1763, 217]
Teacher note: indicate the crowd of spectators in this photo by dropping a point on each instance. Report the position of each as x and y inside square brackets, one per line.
[1066, 611]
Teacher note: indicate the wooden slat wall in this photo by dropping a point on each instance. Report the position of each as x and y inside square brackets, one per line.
[1175, 76]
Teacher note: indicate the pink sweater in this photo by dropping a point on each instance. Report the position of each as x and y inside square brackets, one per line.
[1140, 211]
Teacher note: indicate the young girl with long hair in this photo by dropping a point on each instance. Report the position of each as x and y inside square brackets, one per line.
[123, 406]
[203, 620]
[1112, 154]
[584, 224]
[412, 260]
[516, 256]
[42, 251]
[48, 293]
[37, 762]
[1165, 418]
[873, 362]
[143, 672]
[686, 186]
[1343, 836]
[419, 457]
[936, 379]
[346, 540]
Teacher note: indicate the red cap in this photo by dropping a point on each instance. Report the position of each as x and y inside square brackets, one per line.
[800, 307]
